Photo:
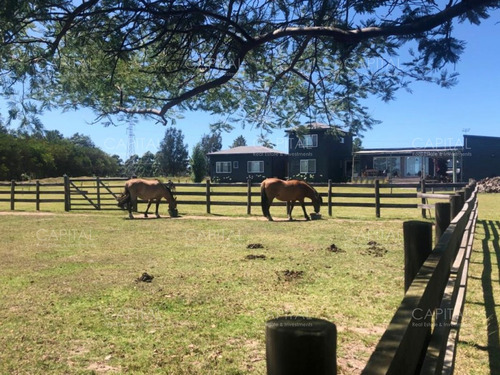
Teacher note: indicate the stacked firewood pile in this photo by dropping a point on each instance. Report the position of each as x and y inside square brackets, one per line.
[489, 185]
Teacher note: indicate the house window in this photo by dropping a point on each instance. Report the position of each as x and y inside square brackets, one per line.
[390, 165]
[236, 165]
[223, 167]
[255, 166]
[308, 166]
[308, 141]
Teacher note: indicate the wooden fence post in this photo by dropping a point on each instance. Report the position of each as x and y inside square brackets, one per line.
[330, 210]
[300, 345]
[12, 194]
[424, 201]
[98, 191]
[377, 198]
[417, 247]
[208, 195]
[249, 196]
[455, 205]
[443, 219]
[37, 196]
[67, 194]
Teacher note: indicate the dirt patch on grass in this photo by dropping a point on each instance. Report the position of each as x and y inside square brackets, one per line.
[23, 213]
[253, 256]
[290, 275]
[374, 249]
[255, 246]
[100, 368]
[335, 249]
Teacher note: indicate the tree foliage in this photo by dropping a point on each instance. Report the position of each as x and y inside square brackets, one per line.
[52, 155]
[239, 141]
[198, 164]
[266, 63]
[173, 154]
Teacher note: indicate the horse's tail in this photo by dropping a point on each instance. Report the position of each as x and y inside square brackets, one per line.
[264, 202]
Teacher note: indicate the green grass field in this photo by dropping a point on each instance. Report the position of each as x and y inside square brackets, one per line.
[72, 303]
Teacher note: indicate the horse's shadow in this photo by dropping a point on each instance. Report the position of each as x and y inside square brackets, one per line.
[152, 218]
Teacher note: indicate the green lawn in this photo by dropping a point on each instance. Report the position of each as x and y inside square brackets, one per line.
[71, 302]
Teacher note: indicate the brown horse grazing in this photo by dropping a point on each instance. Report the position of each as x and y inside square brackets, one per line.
[288, 191]
[150, 190]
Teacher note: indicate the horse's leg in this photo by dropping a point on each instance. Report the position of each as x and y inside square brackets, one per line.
[269, 217]
[157, 206]
[132, 203]
[304, 209]
[147, 208]
[289, 207]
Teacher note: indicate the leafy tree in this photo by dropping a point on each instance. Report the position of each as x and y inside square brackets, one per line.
[239, 141]
[130, 166]
[211, 142]
[173, 154]
[268, 63]
[198, 164]
[82, 140]
[357, 144]
[145, 165]
[265, 141]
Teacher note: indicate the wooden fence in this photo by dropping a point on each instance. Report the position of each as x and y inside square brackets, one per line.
[423, 334]
[100, 194]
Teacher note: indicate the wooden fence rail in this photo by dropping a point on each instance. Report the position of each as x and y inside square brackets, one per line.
[100, 194]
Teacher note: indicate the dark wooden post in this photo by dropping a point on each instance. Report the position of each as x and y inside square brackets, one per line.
[98, 191]
[468, 192]
[12, 195]
[456, 204]
[67, 194]
[37, 196]
[300, 345]
[417, 247]
[330, 210]
[377, 198]
[208, 196]
[249, 196]
[424, 201]
[443, 219]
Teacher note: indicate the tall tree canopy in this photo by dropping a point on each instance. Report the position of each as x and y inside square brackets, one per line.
[268, 63]
[173, 156]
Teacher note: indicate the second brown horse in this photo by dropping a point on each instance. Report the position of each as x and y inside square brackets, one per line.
[150, 190]
[290, 192]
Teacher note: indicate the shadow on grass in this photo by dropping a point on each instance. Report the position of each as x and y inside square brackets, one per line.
[491, 247]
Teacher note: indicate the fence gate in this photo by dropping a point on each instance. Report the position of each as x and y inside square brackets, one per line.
[92, 194]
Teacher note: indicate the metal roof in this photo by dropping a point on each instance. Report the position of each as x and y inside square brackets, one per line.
[261, 150]
[411, 151]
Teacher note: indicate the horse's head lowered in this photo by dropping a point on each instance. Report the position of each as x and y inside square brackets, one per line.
[123, 201]
[317, 202]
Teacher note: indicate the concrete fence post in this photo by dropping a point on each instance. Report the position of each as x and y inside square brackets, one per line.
[301, 345]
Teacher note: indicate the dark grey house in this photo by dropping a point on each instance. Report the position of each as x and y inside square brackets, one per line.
[479, 157]
[247, 162]
[319, 153]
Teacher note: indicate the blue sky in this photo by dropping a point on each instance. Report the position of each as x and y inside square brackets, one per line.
[430, 116]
